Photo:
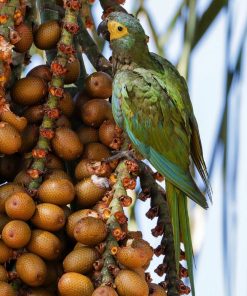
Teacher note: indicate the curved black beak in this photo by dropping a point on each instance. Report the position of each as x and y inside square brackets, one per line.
[103, 30]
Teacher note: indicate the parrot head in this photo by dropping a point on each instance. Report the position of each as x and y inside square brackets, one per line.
[124, 32]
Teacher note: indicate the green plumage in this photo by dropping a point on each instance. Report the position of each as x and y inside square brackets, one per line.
[151, 103]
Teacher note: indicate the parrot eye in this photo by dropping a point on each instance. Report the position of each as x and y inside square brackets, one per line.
[120, 28]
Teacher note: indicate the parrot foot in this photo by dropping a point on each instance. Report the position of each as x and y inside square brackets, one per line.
[127, 154]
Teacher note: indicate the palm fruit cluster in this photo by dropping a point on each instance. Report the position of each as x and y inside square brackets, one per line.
[63, 226]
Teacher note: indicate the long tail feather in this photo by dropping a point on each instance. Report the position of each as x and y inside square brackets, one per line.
[177, 201]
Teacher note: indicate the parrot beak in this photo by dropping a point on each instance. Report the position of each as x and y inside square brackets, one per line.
[103, 30]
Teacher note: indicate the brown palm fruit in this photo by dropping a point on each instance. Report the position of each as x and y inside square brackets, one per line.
[6, 253]
[53, 162]
[86, 168]
[16, 234]
[31, 269]
[66, 144]
[90, 231]
[29, 138]
[96, 151]
[75, 284]
[99, 85]
[9, 166]
[41, 71]
[39, 292]
[20, 206]
[22, 178]
[104, 291]
[75, 217]
[45, 244]
[95, 111]
[108, 134]
[88, 134]
[63, 121]
[6, 289]
[88, 192]
[147, 249]
[29, 90]
[134, 254]
[4, 219]
[66, 104]
[26, 35]
[57, 174]
[17, 122]
[129, 283]
[80, 260]
[47, 35]
[3, 274]
[80, 99]
[5, 191]
[34, 114]
[156, 290]
[56, 191]
[10, 139]
[48, 217]
[73, 72]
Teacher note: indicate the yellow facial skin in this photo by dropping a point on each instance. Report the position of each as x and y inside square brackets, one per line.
[116, 30]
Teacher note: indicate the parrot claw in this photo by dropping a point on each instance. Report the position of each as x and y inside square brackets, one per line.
[127, 154]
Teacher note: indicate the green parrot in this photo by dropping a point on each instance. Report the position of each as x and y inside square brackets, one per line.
[151, 104]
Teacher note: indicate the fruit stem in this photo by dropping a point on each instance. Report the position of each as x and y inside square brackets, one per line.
[158, 201]
[65, 52]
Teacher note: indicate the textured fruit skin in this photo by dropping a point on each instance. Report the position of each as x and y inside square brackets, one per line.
[41, 71]
[156, 290]
[90, 231]
[83, 169]
[73, 73]
[80, 99]
[129, 283]
[45, 244]
[5, 252]
[88, 193]
[47, 35]
[29, 138]
[22, 178]
[95, 111]
[66, 104]
[107, 132]
[88, 134]
[56, 191]
[20, 206]
[75, 284]
[48, 217]
[57, 174]
[6, 289]
[75, 217]
[16, 234]
[34, 114]
[5, 191]
[3, 274]
[104, 291]
[29, 90]
[53, 162]
[131, 257]
[66, 144]
[80, 260]
[96, 151]
[31, 269]
[63, 121]
[17, 122]
[99, 84]
[26, 40]
[10, 139]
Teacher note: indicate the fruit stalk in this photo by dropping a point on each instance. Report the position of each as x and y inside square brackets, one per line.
[159, 207]
[65, 51]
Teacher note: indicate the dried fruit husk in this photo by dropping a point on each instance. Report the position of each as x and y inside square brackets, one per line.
[74, 284]
[31, 269]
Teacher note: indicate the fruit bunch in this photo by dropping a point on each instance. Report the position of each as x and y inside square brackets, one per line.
[63, 227]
